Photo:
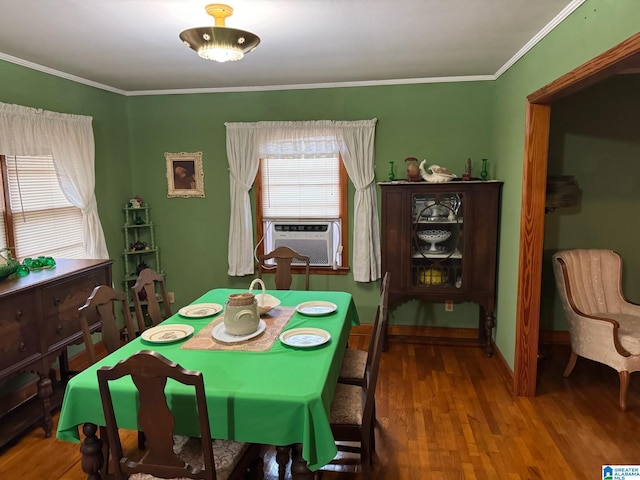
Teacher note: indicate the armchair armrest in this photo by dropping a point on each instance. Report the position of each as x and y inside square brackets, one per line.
[596, 336]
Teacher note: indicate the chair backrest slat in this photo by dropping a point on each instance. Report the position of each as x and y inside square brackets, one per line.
[99, 307]
[145, 286]
[149, 372]
[283, 256]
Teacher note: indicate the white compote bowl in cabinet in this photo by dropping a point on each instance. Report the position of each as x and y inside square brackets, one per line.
[432, 237]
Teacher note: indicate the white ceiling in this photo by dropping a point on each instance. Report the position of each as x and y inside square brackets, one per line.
[132, 46]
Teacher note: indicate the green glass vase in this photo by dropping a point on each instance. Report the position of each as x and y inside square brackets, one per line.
[391, 176]
[484, 174]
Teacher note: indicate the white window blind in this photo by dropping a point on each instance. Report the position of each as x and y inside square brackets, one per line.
[44, 221]
[306, 188]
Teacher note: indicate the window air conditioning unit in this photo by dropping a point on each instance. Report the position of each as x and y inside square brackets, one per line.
[312, 239]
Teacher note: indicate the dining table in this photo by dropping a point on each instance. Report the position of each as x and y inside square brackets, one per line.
[264, 389]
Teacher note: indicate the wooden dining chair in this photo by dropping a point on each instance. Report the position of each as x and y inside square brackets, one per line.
[166, 455]
[283, 257]
[100, 309]
[145, 290]
[355, 362]
[353, 410]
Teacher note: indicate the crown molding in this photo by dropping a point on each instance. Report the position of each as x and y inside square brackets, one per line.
[568, 10]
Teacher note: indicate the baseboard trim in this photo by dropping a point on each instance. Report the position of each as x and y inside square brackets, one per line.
[432, 332]
[550, 337]
[425, 335]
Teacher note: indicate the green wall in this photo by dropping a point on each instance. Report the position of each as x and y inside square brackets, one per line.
[595, 137]
[445, 123]
[592, 29]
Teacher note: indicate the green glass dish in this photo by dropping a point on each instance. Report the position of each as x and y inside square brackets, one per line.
[22, 271]
[40, 263]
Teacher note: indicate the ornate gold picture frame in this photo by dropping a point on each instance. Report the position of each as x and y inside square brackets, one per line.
[185, 177]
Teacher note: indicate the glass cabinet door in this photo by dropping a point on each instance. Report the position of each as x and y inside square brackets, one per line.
[437, 251]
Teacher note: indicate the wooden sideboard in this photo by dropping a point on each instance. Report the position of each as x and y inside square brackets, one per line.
[39, 319]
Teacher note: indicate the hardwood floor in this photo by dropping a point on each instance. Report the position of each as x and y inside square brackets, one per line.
[447, 413]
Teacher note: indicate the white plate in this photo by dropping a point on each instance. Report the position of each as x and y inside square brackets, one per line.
[316, 308]
[200, 310]
[305, 337]
[167, 333]
[220, 333]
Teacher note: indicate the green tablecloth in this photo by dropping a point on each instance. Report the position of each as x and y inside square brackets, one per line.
[278, 397]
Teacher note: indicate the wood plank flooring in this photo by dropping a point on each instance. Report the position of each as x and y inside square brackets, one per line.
[447, 413]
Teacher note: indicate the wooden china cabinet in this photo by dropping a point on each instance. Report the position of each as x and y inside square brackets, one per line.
[439, 242]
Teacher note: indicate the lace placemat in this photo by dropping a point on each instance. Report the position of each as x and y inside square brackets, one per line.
[275, 321]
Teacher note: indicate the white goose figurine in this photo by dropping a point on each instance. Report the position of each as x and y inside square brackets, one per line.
[438, 174]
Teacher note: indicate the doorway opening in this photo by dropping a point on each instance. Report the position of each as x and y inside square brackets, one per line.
[622, 58]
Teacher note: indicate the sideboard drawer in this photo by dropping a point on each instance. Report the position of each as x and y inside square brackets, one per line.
[59, 328]
[71, 294]
[18, 324]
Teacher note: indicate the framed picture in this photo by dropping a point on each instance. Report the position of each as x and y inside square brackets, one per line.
[185, 177]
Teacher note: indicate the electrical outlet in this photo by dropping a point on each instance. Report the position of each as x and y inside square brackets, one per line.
[171, 296]
[448, 305]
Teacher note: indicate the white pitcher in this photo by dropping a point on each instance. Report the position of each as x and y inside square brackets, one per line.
[241, 315]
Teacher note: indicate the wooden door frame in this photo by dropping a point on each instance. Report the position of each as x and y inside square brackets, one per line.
[623, 57]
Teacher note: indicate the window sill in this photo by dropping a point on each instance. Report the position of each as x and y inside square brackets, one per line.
[314, 271]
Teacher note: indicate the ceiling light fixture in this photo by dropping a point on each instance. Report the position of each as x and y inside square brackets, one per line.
[220, 43]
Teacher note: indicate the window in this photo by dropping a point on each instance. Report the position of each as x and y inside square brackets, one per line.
[351, 142]
[37, 218]
[306, 198]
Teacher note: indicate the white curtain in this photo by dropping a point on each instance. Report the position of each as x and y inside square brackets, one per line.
[355, 140]
[248, 142]
[242, 154]
[69, 140]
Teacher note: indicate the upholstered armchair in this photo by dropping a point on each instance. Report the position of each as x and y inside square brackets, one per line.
[603, 325]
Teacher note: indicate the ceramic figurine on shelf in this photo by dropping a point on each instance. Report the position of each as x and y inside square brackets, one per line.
[467, 170]
[413, 172]
[435, 173]
[134, 247]
[136, 202]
